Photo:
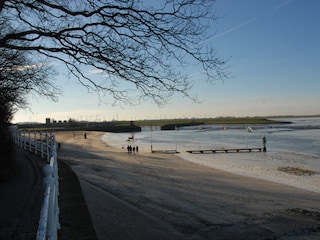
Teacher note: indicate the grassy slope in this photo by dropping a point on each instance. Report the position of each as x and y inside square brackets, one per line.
[206, 121]
[126, 127]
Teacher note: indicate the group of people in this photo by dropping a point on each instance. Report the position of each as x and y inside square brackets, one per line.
[133, 150]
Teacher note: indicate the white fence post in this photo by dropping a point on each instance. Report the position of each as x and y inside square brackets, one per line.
[49, 218]
[24, 139]
[54, 224]
[20, 138]
[51, 222]
[41, 144]
[29, 139]
[47, 147]
[35, 142]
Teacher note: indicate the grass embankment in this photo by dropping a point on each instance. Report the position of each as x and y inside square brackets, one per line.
[125, 126]
[172, 123]
[207, 121]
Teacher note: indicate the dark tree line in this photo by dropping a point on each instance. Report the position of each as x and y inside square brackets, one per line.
[20, 77]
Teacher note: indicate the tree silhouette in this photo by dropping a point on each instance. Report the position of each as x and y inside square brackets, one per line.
[141, 51]
[20, 77]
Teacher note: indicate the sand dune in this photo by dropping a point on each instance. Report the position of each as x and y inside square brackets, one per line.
[160, 196]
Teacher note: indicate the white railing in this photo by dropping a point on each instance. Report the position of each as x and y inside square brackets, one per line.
[44, 144]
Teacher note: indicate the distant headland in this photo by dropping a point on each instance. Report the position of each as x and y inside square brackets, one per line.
[135, 126]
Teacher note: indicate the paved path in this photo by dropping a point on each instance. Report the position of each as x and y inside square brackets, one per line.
[21, 198]
[75, 219]
[116, 219]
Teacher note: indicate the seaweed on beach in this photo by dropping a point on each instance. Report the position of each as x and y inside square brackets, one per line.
[297, 171]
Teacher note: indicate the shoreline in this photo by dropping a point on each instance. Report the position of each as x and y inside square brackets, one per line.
[188, 200]
[267, 166]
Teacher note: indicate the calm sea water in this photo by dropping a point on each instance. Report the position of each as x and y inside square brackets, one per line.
[302, 136]
[294, 145]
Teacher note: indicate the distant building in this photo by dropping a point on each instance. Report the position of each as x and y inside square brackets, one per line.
[48, 121]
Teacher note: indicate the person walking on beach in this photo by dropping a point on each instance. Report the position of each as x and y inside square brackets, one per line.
[264, 142]
[129, 148]
[137, 149]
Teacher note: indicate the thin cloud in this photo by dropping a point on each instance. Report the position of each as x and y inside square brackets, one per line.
[235, 28]
[231, 29]
[275, 9]
[96, 71]
[25, 67]
[281, 5]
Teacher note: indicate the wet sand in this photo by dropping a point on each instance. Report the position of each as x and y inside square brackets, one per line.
[160, 196]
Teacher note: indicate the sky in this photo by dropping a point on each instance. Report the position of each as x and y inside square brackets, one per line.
[273, 50]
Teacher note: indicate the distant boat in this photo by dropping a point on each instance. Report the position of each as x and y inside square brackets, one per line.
[249, 129]
[131, 138]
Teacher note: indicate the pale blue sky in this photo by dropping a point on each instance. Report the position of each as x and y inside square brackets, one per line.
[275, 70]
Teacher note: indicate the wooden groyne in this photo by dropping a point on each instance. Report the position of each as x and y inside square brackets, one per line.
[230, 150]
[165, 151]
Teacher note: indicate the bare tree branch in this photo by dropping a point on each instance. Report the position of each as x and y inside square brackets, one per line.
[20, 77]
[145, 46]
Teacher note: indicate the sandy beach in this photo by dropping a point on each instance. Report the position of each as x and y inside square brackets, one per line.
[160, 196]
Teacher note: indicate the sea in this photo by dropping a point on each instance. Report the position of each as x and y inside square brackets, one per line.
[292, 157]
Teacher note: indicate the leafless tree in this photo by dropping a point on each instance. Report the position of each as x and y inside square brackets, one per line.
[20, 77]
[141, 51]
